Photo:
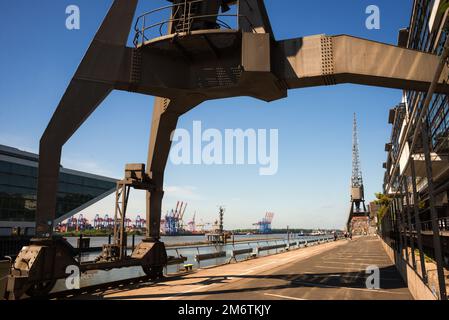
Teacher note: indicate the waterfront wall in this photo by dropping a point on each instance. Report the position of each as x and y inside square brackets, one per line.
[418, 289]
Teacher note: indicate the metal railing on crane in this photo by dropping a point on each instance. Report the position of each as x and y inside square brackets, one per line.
[184, 18]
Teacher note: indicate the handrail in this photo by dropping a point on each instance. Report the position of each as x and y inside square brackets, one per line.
[141, 32]
[276, 246]
[241, 251]
[211, 255]
[157, 10]
[223, 252]
[443, 225]
[141, 26]
[206, 245]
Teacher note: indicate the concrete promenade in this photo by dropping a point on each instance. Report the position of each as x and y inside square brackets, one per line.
[335, 271]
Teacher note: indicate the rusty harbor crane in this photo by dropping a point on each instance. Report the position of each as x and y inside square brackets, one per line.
[197, 57]
[358, 221]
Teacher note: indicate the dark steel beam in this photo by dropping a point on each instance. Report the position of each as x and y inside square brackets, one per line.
[165, 117]
[433, 212]
[253, 17]
[324, 60]
[79, 101]
[397, 213]
[418, 223]
[409, 224]
[83, 95]
[440, 74]
[403, 228]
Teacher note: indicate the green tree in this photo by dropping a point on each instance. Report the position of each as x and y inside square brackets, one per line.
[444, 5]
[383, 201]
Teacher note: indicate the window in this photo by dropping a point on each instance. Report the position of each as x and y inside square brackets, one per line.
[18, 191]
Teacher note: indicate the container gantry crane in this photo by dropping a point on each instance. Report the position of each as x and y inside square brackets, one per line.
[191, 224]
[264, 226]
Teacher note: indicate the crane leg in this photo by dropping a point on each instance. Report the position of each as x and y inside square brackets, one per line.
[95, 78]
[166, 113]
[165, 119]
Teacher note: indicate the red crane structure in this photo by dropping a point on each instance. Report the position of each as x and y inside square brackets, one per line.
[98, 222]
[139, 222]
[191, 225]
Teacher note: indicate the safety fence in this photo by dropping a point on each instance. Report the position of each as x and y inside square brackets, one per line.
[10, 246]
[191, 257]
[184, 258]
[185, 17]
[443, 225]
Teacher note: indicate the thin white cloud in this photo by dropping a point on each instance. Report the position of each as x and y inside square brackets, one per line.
[18, 142]
[182, 192]
[79, 163]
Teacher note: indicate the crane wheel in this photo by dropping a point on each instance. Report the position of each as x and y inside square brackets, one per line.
[154, 272]
[41, 289]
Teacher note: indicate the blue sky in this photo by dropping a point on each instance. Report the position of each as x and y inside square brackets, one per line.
[311, 189]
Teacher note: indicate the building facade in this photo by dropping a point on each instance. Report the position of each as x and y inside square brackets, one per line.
[417, 174]
[18, 190]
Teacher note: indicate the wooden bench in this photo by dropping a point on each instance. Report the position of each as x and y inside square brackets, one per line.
[188, 267]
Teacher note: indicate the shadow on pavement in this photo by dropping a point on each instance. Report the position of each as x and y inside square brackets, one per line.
[389, 280]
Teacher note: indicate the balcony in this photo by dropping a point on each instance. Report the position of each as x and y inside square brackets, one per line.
[188, 17]
[439, 165]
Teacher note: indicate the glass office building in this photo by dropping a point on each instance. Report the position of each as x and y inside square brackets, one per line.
[416, 223]
[428, 33]
[18, 190]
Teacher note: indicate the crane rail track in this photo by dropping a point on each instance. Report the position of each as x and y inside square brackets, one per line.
[68, 294]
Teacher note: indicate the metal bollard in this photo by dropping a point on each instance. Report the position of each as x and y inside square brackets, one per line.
[80, 247]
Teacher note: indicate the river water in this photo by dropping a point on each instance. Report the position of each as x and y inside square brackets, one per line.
[253, 241]
[99, 241]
